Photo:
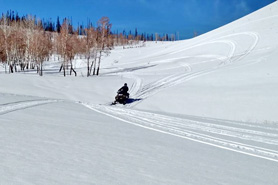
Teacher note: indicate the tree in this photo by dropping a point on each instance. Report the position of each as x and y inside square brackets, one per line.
[5, 34]
[62, 45]
[41, 47]
[17, 45]
[58, 25]
[67, 46]
[90, 49]
[3, 56]
[29, 30]
[104, 28]
[156, 37]
[136, 33]
[72, 48]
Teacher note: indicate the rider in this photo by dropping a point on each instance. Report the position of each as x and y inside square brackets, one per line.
[124, 90]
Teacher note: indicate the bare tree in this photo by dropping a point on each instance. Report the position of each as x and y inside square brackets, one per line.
[156, 37]
[41, 47]
[5, 34]
[30, 28]
[3, 57]
[72, 49]
[104, 28]
[16, 46]
[68, 47]
[172, 37]
[90, 43]
[62, 40]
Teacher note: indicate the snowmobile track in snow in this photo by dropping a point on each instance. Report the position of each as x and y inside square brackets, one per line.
[138, 91]
[250, 139]
[240, 138]
[15, 106]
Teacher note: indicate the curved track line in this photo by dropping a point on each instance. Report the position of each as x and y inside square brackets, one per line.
[241, 133]
[172, 126]
[10, 107]
[137, 84]
[239, 124]
[138, 91]
[154, 87]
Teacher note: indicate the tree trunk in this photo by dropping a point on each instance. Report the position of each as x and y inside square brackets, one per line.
[15, 68]
[99, 59]
[64, 70]
[41, 70]
[61, 68]
[97, 70]
[93, 65]
[88, 67]
[11, 70]
[71, 69]
[21, 67]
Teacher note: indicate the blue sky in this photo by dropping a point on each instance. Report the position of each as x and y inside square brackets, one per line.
[150, 16]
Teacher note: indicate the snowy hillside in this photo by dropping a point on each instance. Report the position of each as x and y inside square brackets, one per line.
[202, 111]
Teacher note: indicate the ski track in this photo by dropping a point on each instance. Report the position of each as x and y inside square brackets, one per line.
[20, 105]
[202, 131]
[225, 134]
[136, 86]
[138, 91]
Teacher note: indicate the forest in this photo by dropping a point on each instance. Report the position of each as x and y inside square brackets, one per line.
[27, 42]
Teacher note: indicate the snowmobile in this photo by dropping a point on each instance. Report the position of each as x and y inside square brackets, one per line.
[121, 98]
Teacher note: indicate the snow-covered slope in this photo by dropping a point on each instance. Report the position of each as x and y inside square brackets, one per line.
[203, 112]
[229, 73]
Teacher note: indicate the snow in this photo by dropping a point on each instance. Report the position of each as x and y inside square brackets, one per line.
[203, 111]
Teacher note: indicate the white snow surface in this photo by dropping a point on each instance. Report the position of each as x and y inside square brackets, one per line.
[202, 112]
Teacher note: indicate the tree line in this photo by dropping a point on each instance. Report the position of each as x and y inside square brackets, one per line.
[27, 42]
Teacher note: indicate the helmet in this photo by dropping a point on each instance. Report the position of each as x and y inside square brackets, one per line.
[125, 84]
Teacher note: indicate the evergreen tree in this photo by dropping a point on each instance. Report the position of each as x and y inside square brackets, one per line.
[167, 37]
[51, 26]
[12, 16]
[58, 25]
[124, 33]
[136, 33]
[81, 30]
[142, 37]
[17, 18]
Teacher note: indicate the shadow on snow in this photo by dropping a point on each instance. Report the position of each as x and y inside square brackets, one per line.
[131, 100]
